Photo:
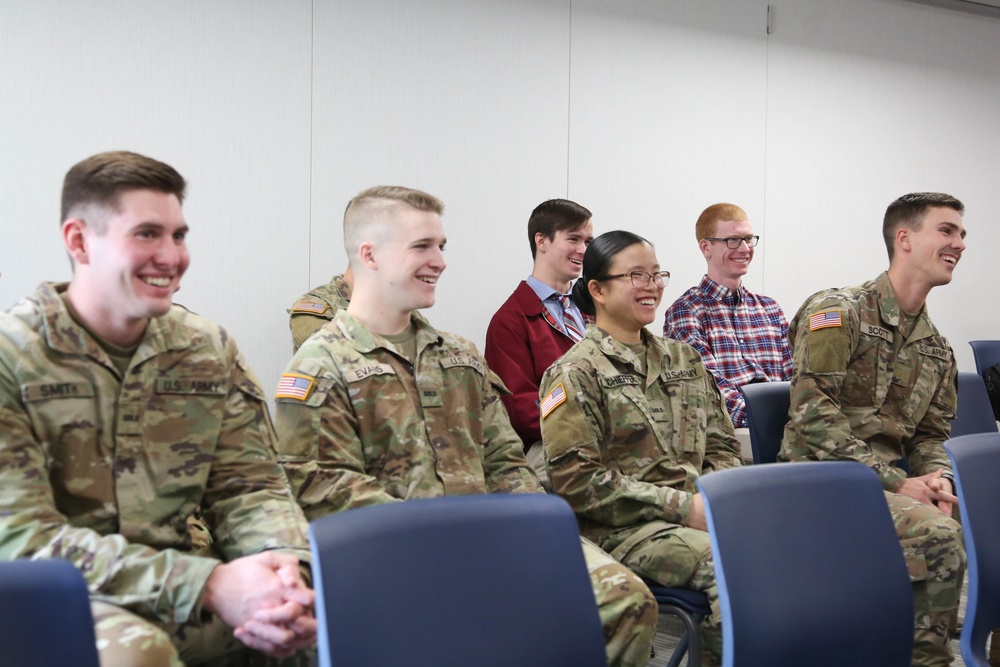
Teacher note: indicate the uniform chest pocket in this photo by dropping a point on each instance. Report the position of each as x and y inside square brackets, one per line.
[868, 379]
[916, 378]
[178, 427]
[67, 421]
[688, 411]
[631, 440]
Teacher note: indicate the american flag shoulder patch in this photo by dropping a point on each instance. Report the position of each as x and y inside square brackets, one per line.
[553, 400]
[313, 307]
[825, 319]
[293, 385]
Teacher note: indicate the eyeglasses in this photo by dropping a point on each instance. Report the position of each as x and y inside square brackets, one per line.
[640, 278]
[733, 242]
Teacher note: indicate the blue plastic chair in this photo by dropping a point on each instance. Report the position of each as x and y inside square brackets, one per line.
[45, 618]
[975, 460]
[986, 353]
[974, 413]
[767, 412]
[484, 580]
[809, 567]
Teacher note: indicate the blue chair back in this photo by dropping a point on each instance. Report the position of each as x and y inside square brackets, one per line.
[45, 618]
[975, 460]
[986, 352]
[809, 567]
[484, 580]
[767, 412]
[974, 413]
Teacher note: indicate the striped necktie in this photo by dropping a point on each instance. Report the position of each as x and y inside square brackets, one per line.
[569, 324]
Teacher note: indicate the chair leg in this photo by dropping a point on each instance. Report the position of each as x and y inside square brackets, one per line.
[690, 641]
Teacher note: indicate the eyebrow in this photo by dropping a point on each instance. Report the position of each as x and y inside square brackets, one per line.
[952, 225]
[150, 224]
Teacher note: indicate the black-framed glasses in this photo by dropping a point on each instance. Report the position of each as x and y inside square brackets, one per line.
[640, 278]
[733, 242]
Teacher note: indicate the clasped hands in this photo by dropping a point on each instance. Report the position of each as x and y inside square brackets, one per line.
[266, 602]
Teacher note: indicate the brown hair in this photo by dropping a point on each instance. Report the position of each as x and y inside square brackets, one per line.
[101, 179]
[555, 215]
[909, 210]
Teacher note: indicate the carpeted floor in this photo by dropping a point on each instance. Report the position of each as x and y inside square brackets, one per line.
[669, 631]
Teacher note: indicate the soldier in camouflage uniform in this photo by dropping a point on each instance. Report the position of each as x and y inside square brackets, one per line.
[379, 406]
[135, 441]
[318, 306]
[629, 423]
[874, 381]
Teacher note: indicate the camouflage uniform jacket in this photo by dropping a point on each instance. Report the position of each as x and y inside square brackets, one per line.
[862, 392]
[106, 472]
[317, 307]
[625, 448]
[359, 425]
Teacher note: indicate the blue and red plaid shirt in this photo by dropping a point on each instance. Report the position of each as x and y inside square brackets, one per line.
[742, 338]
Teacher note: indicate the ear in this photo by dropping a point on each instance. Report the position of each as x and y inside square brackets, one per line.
[74, 233]
[541, 242]
[596, 290]
[903, 242]
[366, 251]
[704, 246]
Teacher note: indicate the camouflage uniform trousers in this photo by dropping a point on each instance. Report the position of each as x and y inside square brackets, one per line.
[628, 610]
[682, 557]
[935, 557]
[123, 638]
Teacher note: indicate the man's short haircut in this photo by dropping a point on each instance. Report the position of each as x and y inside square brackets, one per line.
[909, 210]
[100, 180]
[373, 205]
[555, 215]
[715, 214]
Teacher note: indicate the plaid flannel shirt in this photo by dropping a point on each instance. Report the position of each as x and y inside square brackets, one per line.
[742, 338]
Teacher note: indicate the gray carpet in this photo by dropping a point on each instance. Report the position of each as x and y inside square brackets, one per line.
[669, 631]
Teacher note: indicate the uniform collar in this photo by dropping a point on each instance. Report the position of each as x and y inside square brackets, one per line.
[655, 356]
[64, 334]
[342, 287]
[889, 310]
[366, 342]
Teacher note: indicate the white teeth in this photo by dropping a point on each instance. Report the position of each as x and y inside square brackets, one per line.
[156, 282]
[576, 261]
[647, 302]
[950, 259]
[429, 281]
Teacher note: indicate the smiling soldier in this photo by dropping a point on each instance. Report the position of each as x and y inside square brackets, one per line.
[874, 382]
[378, 406]
[135, 441]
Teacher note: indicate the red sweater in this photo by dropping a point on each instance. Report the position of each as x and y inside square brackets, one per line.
[520, 346]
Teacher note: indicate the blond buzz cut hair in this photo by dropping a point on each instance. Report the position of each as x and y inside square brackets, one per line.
[715, 214]
[369, 210]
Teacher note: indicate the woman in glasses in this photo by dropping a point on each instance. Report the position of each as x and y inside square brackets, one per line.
[630, 421]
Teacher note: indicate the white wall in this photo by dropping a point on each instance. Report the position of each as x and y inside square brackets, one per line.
[645, 111]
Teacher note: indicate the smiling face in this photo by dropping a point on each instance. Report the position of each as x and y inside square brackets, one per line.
[559, 260]
[726, 266]
[932, 251]
[127, 265]
[410, 259]
[622, 309]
